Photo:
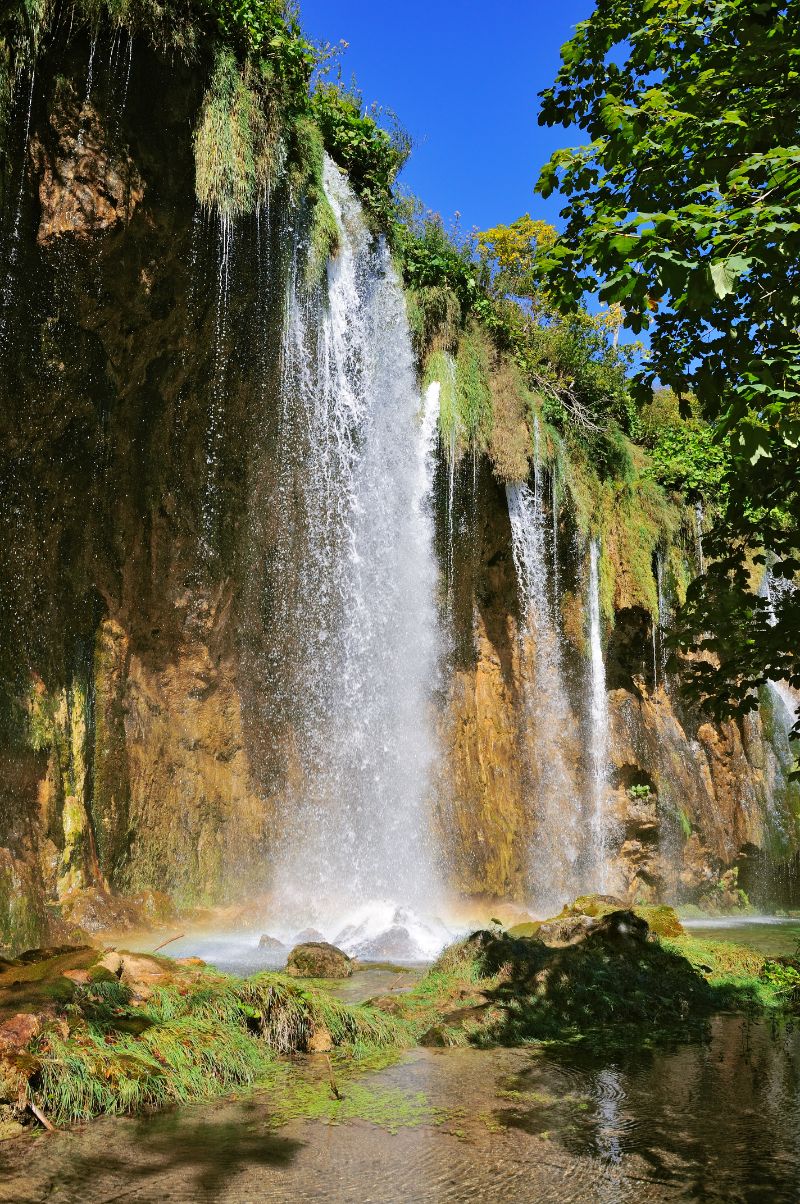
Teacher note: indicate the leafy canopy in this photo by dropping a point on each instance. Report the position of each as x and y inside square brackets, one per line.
[684, 208]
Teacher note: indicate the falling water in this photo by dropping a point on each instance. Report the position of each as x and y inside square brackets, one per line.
[554, 512]
[660, 664]
[12, 248]
[598, 731]
[556, 837]
[214, 431]
[357, 617]
[699, 521]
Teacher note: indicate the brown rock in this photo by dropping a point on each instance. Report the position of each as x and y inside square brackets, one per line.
[18, 1030]
[78, 976]
[318, 959]
[112, 962]
[85, 187]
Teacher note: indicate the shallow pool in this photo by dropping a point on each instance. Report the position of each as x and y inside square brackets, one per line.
[715, 1121]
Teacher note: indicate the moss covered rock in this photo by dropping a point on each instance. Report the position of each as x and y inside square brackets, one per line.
[318, 959]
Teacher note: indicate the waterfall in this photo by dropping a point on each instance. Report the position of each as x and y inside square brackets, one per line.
[218, 391]
[699, 521]
[549, 722]
[352, 596]
[12, 246]
[554, 514]
[599, 727]
[659, 627]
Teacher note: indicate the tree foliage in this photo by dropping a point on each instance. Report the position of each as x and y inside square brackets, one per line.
[683, 207]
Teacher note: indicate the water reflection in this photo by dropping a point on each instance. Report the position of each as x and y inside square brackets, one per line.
[717, 1121]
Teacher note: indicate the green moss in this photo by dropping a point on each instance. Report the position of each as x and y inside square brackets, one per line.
[476, 401]
[23, 923]
[388, 1107]
[435, 317]
[530, 928]
[304, 174]
[633, 518]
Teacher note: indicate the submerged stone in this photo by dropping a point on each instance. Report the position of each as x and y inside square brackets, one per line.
[318, 959]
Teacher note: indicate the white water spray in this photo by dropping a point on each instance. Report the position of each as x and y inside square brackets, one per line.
[357, 610]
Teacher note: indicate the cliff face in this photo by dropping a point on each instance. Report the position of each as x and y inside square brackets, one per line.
[123, 736]
[700, 810]
[137, 435]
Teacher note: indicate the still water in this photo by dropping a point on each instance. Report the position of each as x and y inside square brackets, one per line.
[774, 936]
[715, 1121]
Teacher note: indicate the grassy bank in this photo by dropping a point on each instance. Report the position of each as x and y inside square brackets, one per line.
[116, 1033]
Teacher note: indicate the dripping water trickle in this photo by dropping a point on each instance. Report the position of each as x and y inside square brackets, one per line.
[599, 726]
[219, 373]
[699, 522]
[12, 250]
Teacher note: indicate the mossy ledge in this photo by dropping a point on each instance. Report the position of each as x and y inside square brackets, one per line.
[85, 1032]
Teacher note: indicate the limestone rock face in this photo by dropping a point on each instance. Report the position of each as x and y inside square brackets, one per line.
[695, 804]
[85, 185]
[318, 959]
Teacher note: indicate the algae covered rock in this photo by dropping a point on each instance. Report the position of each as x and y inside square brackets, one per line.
[618, 926]
[318, 959]
[662, 920]
[528, 929]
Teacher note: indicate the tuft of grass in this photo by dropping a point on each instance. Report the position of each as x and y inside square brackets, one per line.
[191, 1039]
[236, 140]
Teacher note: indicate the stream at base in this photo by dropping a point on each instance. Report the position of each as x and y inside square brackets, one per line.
[716, 1121]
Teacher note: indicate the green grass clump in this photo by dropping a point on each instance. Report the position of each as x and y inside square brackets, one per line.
[235, 141]
[190, 1039]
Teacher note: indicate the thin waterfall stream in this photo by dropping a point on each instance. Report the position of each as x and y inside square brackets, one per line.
[556, 838]
[598, 729]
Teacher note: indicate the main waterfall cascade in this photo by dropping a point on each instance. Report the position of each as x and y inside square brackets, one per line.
[356, 610]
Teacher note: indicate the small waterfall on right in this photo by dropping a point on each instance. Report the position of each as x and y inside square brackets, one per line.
[598, 730]
[556, 842]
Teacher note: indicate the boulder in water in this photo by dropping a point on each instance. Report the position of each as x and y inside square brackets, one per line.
[271, 944]
[308, 934]
[394, 945]
[318, 959]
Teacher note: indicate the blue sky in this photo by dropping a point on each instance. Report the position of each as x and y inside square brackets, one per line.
[463, 79]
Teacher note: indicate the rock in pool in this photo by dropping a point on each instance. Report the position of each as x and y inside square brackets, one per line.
[308, 934]
[318, 959]
[272, 944]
